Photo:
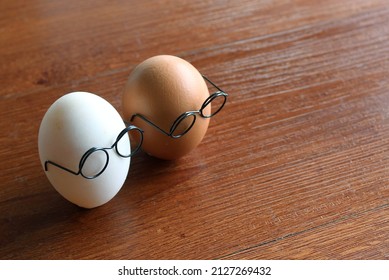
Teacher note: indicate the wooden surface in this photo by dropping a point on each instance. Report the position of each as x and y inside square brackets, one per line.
[296, 166]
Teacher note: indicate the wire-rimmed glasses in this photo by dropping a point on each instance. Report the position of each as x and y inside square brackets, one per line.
[177, 130]
[91, 166]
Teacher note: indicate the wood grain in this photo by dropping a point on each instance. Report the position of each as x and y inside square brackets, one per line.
[296, 165]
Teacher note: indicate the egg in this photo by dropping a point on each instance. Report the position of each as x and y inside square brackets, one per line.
[158, 91]
[75, 143]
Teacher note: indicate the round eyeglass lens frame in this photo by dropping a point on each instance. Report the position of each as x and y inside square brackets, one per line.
[91, 163]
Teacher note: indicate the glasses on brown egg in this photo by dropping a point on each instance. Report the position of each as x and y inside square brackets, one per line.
[185, 121]
[91, 165]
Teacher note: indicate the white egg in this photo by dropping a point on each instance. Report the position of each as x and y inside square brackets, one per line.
[74, 124]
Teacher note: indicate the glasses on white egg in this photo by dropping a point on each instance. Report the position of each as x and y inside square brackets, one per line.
[185, 121]
[93, 165]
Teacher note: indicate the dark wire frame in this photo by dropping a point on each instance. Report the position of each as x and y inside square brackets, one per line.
[218, 93]
[95, 149]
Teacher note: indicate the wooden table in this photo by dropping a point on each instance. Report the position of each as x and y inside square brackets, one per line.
[296, 166]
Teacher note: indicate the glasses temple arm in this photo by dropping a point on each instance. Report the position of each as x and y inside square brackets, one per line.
[61, 167]
[149, 122]
[209, 81]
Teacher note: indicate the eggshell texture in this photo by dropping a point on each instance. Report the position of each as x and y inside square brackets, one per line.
[72, 125]
[161, 89]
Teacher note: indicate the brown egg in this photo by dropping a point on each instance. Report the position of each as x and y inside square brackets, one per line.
[157, 93]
